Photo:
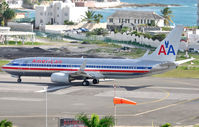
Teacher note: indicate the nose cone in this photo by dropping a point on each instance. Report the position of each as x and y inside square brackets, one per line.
[3, 68]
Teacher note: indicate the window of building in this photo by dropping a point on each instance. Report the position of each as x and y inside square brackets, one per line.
[58, 15]
[111, 20]
[148, 21]
[122, 20]
[128, 20]
[66, 14]
[57, 8]
[41, 14]
[119, 20]
[141, 21]
[41, 21]
[138, 21]
[135, 21]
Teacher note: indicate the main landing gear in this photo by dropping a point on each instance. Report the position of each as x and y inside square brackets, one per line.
[19, 79]
[87, 83]
[95, 81]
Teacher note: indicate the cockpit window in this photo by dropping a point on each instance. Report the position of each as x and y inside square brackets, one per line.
[13, 62]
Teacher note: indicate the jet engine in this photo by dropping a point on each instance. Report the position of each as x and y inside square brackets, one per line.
[60, 77]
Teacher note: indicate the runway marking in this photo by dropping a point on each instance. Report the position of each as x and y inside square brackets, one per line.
[67, 91]
[52, 89]
[175, 88]
[157, 109]
[159, 100]
[20, 99]
[188, 119]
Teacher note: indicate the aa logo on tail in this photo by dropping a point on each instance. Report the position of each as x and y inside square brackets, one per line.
[166, 46]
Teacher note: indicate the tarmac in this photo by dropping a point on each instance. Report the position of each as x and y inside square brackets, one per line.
[159, 101]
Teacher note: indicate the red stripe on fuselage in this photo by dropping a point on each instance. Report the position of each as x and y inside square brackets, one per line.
[61, 69]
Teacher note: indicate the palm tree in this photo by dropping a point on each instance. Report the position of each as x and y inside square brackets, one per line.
[89, 16]
[166, 13]
[3, 7]
[8, 15]
[94, 121]
[97, 18]
[5, 123]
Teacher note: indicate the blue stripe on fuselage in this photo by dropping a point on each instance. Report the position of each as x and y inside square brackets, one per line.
[78, 66]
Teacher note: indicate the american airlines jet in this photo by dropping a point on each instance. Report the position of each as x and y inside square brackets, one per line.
[65, 70]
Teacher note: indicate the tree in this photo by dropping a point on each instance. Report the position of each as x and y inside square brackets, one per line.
[89, 16]
[159, 37]
[125, 29]
[8, 15]
[94, 121]
[92, 17]
[166, 13]
[97, 31]
[3, 7]
[66, 22]
[97, 18]
[5, 123]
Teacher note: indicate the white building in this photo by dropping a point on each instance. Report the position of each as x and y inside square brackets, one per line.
[134, 18]
[14, 3]
[57, 12]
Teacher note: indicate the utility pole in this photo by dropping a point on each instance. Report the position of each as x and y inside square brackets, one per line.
[115, 105]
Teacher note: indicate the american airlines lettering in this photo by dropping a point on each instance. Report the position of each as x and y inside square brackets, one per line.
[47, 61]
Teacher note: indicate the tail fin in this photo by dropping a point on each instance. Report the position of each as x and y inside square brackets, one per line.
[168, 48]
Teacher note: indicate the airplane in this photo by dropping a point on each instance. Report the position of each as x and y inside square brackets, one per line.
[65, 70]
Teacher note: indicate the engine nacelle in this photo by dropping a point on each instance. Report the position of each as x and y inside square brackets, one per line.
[60, 77]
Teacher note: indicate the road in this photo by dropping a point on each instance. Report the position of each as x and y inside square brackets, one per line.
[159, 100]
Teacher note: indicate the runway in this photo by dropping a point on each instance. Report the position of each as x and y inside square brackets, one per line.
[159, 100]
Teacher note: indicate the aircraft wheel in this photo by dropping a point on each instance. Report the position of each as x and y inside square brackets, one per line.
[85, 83]
[19, 80]
[95, 81]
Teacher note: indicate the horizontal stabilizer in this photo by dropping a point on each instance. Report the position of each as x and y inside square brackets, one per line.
[183, 61]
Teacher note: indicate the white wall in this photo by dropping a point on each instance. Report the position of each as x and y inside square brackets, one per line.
[15, 3]
[20, 26]
[159, 23]
[59, 12]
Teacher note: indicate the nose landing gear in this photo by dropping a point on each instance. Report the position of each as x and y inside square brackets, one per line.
[19, 79]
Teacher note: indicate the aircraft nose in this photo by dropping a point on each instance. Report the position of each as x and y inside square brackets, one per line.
[3, 68]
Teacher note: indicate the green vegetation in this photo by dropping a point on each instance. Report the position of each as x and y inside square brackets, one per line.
[152, 23]
[166, 125]
[97, 31]
[6, 13]
[66, 22]
[98, 17]
[94, 121]
[5, 123]
[3, 62]
[166, 13]
[159, 37]
[125, 29]
[92, 17]
[21, 43]
[166, 28]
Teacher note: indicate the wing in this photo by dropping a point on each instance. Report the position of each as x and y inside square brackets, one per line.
[82, 74]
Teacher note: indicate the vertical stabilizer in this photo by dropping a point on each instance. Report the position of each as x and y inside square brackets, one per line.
[168, 48]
